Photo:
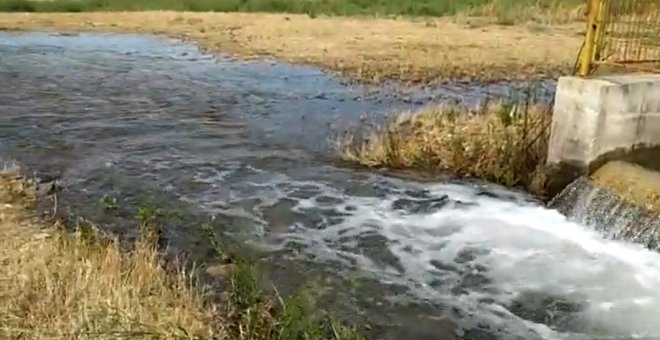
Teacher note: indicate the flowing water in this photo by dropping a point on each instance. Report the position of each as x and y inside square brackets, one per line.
[246, 144]
[615, 218]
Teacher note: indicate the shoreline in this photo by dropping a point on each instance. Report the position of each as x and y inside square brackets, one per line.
[133, 290]
[365, 50]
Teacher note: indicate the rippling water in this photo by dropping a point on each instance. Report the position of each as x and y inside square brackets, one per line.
[246, 143]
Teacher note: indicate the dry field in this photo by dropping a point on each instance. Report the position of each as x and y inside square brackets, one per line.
[365, 49]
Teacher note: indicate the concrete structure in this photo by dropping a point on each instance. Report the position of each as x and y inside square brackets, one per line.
[607, 127]
[605, 118]
[594, 117]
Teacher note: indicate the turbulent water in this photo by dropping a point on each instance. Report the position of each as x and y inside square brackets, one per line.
[246, 143]
[602, 209]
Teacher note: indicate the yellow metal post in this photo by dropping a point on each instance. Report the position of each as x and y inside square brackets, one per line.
[599, 37]
[586, 58]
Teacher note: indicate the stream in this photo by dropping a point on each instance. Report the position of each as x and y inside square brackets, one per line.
[245, 144]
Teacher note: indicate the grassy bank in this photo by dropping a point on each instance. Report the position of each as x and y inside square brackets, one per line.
[502, 142]
[556, 10]
[365, 49]
[61, 285]
[639, 185]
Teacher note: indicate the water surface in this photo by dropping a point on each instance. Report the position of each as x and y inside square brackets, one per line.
[245, 144]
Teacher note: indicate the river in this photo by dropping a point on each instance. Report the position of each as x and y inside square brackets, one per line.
[244, 144]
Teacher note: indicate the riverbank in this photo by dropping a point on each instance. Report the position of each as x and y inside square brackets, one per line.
[61, 285]
[502, 142]
[421, 50]
[366, 49]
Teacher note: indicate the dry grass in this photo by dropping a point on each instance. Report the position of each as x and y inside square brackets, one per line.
[365, 49]
[514, 12]
[498, 142]
[632, 182]
[59, 286]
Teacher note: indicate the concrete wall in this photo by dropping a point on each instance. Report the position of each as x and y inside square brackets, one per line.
[601, 116]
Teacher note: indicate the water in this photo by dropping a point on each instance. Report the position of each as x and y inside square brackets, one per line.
[589, 204]
[245, 143]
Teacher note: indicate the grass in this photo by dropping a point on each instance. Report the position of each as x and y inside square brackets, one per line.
[422, 50]
[639, 185]
[506, 9]
[61, 285]
[502, 142]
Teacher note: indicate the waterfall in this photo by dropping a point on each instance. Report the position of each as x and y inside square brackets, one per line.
[586, 202]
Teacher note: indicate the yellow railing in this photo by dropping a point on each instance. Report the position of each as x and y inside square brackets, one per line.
[623, 33]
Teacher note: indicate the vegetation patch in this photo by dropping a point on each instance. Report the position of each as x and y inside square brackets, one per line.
[502, 142]
[504, 10]
[58, 284]
[632, 182]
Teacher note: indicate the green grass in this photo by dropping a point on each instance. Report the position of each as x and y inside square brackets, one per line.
[329, 7]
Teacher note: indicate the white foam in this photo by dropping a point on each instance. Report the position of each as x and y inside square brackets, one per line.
[9, 166]
[524, 248]
[512, 250]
